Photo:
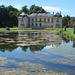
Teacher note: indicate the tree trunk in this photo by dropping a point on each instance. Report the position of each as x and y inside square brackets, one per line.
[74, 30]
[64, 28]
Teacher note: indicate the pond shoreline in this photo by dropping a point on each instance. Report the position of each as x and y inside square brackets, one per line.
[68, 34]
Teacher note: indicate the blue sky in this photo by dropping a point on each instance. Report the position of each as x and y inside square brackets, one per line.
[67, 7]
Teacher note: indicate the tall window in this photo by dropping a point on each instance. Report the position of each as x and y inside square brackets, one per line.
[36, 24]
[32, 19]
[48, 19]
[40, 19]
[32, 24]
[36, 19]
[44, 19]
[22, 21]
[52, 19]
[40, 25]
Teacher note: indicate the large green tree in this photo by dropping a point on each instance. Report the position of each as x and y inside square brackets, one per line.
[9, 14]
[65, 20]
[25, 9]
[36, 9]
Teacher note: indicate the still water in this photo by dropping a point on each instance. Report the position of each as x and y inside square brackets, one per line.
[36, 53]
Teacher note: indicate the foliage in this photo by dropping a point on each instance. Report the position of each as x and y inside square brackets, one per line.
[9, 14]
[36, 9]
[7, 28]
[65, 20]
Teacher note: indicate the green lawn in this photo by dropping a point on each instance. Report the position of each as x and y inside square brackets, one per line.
[2, 29]
[20, 28]
[68, 33]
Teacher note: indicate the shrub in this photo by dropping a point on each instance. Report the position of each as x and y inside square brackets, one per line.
[7, 28]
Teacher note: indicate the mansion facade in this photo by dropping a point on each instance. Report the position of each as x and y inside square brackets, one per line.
[40, 20]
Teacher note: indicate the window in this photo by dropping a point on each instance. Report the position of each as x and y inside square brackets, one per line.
[29, 19]
[36, 24]
[44, 19]
[40, 24]
[52, 26]
[32, 24]
[57, 20]
[52, 19]
[57, 25]
[22, 21]
[40, 19]
[48, 19]
[32, 19]
[36, 19]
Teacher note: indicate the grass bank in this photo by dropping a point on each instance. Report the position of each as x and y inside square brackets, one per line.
[68, 33]
[20, 28]
[3, 29]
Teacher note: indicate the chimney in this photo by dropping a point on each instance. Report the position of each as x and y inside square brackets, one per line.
[53, 13]
[60, 12]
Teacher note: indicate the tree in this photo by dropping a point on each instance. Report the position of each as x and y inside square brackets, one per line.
[25, 9]
[9, 14]
[12, 16]
[36, 9]
[13, 19]
[65, 20]
[3, 15]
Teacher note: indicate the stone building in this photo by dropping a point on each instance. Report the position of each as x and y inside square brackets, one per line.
[40, 20]
[71, 23]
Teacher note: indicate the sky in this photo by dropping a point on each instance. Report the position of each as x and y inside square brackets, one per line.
[67, 7]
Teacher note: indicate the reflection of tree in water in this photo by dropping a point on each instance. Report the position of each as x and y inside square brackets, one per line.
[66, 39]
[24, 48]
[34, 48]
[10, 47]
[73, 44]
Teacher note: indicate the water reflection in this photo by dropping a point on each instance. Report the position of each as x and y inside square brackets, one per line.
[36, 53]
[73, 44]
[35, 40]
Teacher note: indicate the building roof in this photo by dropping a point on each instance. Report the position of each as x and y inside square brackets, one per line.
[40, 14]
[23, 15]
[57, 15]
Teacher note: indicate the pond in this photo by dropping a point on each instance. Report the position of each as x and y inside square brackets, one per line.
[36, 53]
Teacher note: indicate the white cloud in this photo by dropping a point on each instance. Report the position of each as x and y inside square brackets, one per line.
[18, 6]
[49, 8]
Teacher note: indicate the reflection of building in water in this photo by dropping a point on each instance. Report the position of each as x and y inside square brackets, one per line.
[38, 38]
[50, 46]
